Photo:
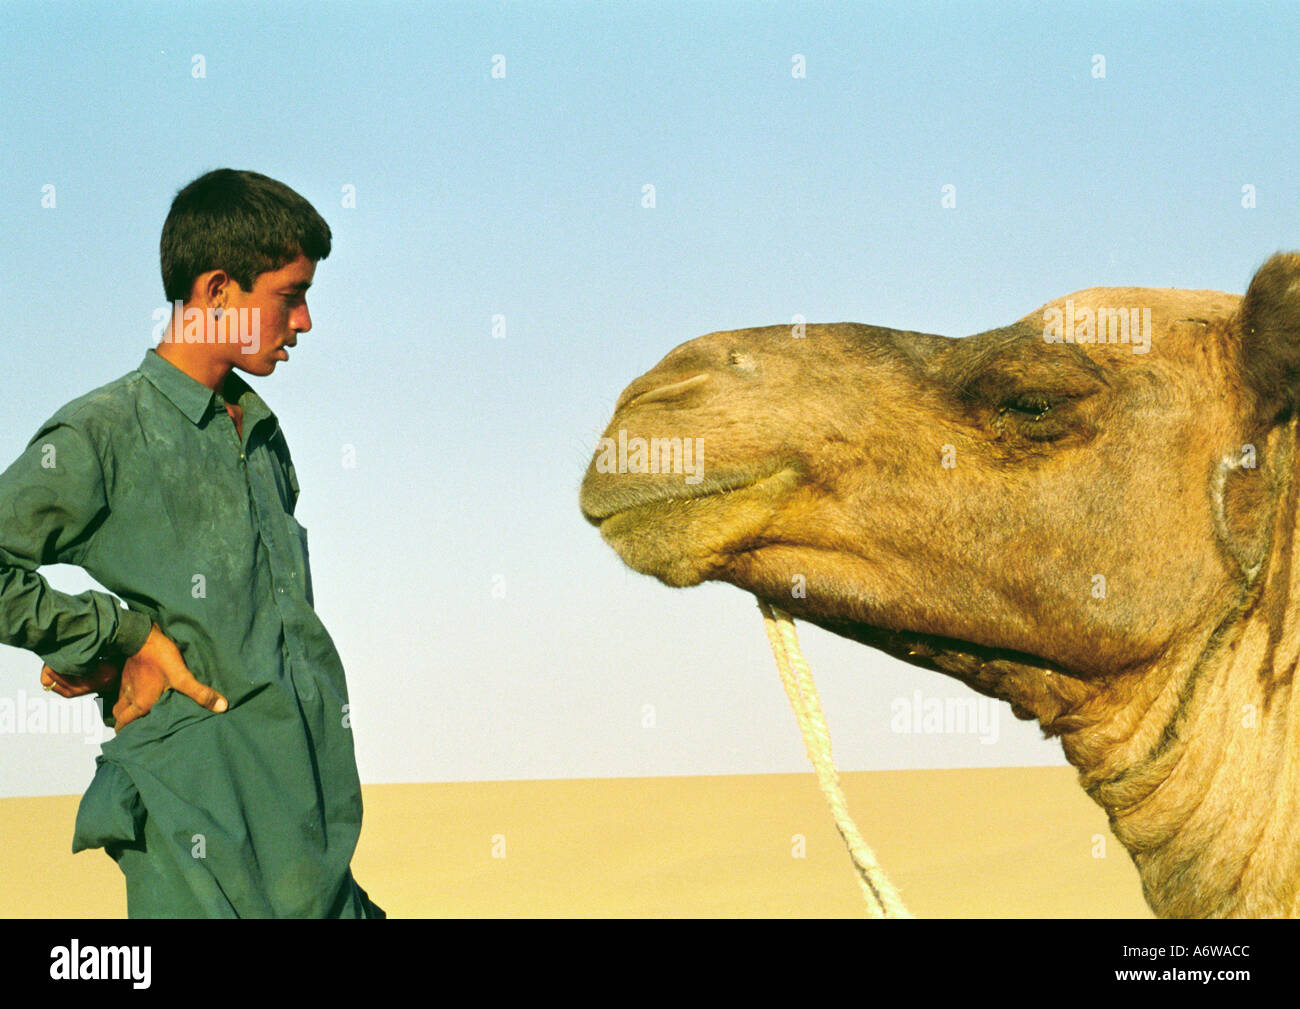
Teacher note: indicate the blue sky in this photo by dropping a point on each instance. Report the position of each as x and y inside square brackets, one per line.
[521, 197]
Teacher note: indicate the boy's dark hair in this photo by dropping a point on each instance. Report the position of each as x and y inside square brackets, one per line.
[241, 222]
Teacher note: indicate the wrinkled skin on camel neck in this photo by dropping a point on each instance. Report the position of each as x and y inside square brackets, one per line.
[1101, 537]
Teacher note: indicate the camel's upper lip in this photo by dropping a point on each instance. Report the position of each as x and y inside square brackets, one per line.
[600, 506]
[640, 495]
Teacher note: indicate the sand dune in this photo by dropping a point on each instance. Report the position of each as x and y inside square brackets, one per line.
[1002, 842]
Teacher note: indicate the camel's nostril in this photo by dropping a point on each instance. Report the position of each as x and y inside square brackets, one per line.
[672, 390]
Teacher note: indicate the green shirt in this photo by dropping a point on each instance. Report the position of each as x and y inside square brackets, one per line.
[146, 484]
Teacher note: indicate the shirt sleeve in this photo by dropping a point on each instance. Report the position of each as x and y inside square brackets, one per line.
[52, 500]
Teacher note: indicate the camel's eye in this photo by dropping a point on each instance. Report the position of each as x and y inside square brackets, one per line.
[1029, 406]
[1042, 417]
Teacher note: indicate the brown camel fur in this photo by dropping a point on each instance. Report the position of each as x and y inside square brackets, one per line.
[1100, 533]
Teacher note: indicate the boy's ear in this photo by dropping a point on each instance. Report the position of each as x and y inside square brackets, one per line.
[1269, 324]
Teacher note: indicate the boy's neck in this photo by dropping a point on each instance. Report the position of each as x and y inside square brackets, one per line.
[196, 361]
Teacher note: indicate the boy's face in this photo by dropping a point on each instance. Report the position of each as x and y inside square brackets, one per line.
[280, 298]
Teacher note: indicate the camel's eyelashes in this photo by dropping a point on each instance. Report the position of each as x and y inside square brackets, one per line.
[1040, 417]
[1030, 407]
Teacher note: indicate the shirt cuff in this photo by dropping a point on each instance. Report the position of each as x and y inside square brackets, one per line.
[133, 629]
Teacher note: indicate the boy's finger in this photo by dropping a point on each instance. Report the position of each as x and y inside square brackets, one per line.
[51, 680]
[125, 712]
[200, 693]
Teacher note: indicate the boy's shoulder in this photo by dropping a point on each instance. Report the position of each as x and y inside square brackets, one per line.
[101, 411]
[151, 395]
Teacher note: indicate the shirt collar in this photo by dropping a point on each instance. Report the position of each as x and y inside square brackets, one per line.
[193, 398]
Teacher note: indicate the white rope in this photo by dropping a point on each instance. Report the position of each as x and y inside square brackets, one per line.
[883, 900]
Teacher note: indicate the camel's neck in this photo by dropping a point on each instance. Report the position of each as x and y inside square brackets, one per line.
[1196, 761]
[1200, 782]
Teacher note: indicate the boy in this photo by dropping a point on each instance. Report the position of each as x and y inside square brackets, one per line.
[230, 789]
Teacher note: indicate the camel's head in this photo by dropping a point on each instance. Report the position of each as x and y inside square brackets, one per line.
[1070, 493]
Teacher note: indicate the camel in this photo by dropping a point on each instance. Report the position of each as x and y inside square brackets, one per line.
[1090, 514]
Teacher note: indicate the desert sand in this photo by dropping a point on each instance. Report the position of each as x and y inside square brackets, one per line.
[986, 843]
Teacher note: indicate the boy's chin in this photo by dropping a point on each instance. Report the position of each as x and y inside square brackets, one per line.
[258, 365]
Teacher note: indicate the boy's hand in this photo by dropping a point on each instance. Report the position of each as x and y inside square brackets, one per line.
[146, 675]
[101, 681]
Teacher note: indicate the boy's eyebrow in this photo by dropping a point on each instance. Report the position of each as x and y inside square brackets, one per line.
[302, 285]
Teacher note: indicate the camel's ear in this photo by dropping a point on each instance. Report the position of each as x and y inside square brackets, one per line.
[1270, 336]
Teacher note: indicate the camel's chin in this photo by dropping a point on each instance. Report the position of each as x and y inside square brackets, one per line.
[681, 543]
[648, 558]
